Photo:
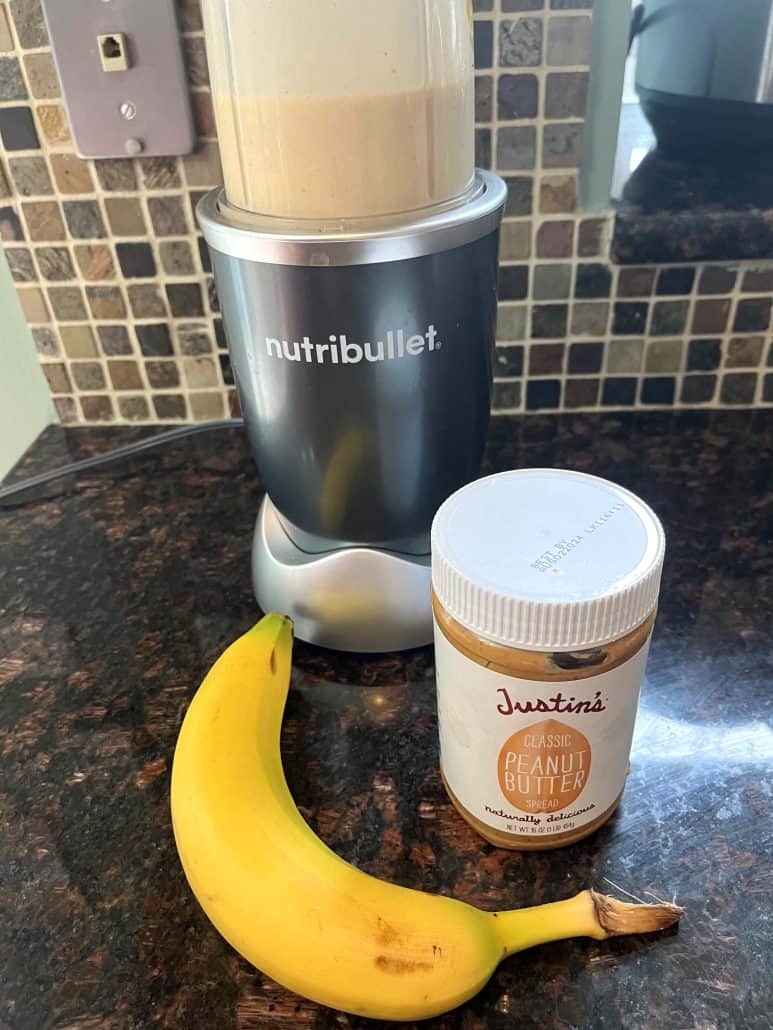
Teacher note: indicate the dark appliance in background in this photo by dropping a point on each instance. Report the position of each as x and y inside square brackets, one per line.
[704, 75]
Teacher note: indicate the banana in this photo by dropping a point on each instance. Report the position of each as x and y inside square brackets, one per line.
[296, 910]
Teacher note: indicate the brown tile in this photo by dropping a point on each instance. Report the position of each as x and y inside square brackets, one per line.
[125, 216]
[664, 356]
[53, 123]
[114, 340]
[95, 261]
[206, 406]
[88, 375]
[636, 282]
[29, 22]
[116, 175]
[558, 194]
[710, 316]
[30, 176]
[57, 378]
[125, 375]
[5, 189]
[67, 303]
[44, 220]
[106, 302]
[515, 241]
[6, 39]
[147, 301]
[555, 239]
[41, 75]
[78, 341]
[200, 373]
[46, 343]
[203, 168]
[744, 352]
[177, 257]
[66, 409]
[97, 409]
[546, 358]
[133, 409]
[21, 264]
[159, 173]
[195, 61]
[55, 263]
[169, 407]
[162, 375]
[590, 318]
[581, 393]
[72, 173]
[167, 215]
[590, 239]
[203, 115]
[33, 304]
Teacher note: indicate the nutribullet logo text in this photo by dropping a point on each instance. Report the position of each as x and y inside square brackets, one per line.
[340, 350]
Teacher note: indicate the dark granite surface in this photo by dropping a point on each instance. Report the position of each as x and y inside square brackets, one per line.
[680, 210]
[117, 592]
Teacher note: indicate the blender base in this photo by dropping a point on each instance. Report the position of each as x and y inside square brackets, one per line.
[349, 599]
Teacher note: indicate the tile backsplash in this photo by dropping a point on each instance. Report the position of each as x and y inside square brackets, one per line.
[115, 281]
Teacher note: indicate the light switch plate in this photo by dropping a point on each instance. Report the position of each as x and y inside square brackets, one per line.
[115, 111]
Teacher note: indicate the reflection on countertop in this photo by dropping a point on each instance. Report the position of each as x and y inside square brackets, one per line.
[670, 209]
[117, 592]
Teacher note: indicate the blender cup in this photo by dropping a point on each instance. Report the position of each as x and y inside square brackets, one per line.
[342, 108]
[355, 253]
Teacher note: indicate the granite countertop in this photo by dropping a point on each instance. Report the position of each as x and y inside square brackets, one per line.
[118, 590]
[676, 210]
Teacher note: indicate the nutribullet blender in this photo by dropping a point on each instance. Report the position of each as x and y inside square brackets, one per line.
[355, 251]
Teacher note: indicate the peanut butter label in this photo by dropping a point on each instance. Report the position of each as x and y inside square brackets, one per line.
[544, 767]
[532, 758]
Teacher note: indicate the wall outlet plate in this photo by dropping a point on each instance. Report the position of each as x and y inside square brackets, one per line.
[121, 69]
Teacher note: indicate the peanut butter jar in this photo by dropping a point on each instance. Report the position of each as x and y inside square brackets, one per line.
[545, 584]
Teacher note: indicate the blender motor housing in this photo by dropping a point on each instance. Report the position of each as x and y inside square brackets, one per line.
[362, 354]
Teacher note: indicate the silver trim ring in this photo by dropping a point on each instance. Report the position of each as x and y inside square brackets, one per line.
[238, 234]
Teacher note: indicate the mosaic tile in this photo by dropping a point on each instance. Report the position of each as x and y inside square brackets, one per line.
[95, 261]
[125, 216]
[55, 263]
[78, 341]
[125, 375]
[568, 40]
[12, 85]
[84, 219]
[41, 75]
[29, 22]
[114, 340]
[551, 282]
[506, 396]
[543, 393]
[71, 174]
[67, 303]
[744, 352]
[558, 194]
[738, 388]
[106, 302]
[566, 94]
[520, 42]
[134, 409]
[207, 405]
[517, 97]
[17, 129]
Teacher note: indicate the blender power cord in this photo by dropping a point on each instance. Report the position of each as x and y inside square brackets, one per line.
[126, 451]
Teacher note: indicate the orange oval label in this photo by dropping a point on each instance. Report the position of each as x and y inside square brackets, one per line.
[544, 767]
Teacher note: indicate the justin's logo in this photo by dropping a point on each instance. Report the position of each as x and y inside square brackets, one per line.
[339, 350]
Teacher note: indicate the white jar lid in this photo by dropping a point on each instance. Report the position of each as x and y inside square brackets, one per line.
[547, 559]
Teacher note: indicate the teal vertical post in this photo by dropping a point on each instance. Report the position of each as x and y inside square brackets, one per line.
[611, 24]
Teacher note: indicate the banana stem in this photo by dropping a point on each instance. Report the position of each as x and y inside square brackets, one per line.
[588, 914]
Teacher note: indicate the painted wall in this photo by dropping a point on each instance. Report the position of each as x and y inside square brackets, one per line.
[25, 400]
